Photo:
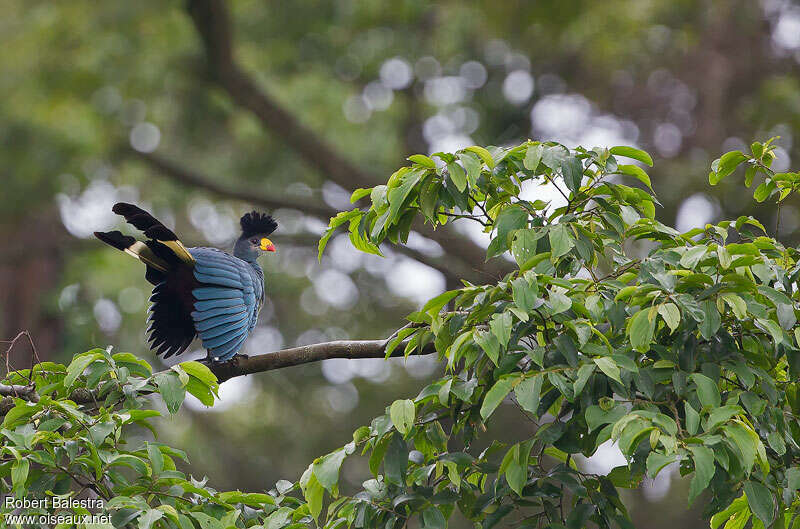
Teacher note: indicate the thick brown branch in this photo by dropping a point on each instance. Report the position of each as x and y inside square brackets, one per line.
[212, 21]
[347, 349]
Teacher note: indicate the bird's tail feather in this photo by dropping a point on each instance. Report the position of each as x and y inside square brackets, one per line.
[153, 229]
[132, 247]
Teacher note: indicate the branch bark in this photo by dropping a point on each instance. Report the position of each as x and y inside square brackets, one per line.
[24, 392]
[347, 349]
[212, 21]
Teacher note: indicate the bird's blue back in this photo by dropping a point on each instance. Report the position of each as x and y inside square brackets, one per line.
[227, 300]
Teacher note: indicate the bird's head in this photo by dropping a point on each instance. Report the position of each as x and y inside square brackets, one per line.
[256, 227]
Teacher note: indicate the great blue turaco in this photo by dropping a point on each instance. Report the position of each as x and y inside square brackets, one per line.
[198, 291]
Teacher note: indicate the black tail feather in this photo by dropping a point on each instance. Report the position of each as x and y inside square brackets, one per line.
[116, 239]
[144, 221]
[171, 328]
[161, 240]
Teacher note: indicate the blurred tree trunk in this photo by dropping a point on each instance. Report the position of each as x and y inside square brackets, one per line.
[30, 269]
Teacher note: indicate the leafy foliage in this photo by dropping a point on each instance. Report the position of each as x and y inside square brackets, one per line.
[58, 449]
[687, 353]
[680, 347]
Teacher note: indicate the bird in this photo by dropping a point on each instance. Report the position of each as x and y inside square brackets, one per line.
[198, 291]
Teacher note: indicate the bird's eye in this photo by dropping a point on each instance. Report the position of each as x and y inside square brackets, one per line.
[254, 241]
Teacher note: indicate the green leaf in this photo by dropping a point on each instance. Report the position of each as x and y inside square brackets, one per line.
[692, 418]
[737, 304]
[524, 296]
[509, 220]
[533, 155]
[609, 367]
[632, 433]
[584, 373]
[760, 500]
[722, 414]
[704, 470]
[524, 245]
[340, 218]
[402, 413]
[422, 160]
[202, 373]
[500, 325]
[313, 491]
[793, 478]
[656, 461]
[495, 396]
[457, 175]
[784, 306]
[326, 469]
[559, 302]
[711, 320]
[631, 152]
[473, 166]
[572, 169]
[561, 240]
[692, 256]
[517, 476]
[736, 515]
[528, 393]
[398, 195]
[432, 518]
[359, 193]
[707, 390]
[641, 330]
[636, 172]
[171, 389]
[77, 366]
[156, 458]
[727, 164]
[19, 475]
[396, 461]
[596, 415]
[484, 154]
[763, 191]
[744, 443]
[671, 315]
[488, 342]
[277, 519]
[200, 391]
[151, 516]
[772, 328]
[434, 305]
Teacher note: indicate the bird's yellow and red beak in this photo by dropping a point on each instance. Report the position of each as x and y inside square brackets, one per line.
[267, 245]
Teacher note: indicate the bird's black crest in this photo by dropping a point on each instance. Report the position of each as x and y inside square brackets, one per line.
[255, 223]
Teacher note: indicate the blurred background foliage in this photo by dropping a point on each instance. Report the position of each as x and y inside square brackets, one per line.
[120, 100]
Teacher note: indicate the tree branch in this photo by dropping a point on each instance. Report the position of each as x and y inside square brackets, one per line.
[212, 21]
[247, 365]
[191, 178]
[452, 268]
[24, 392]
[347, 349]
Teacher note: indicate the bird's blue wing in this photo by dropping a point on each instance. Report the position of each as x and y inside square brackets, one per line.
[226, 302]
